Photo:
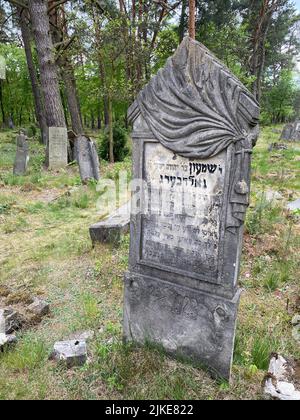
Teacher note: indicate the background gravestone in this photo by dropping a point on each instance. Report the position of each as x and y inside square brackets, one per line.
[291, 132]
[195, 126]
[22, 155]
[58, 147]
[87, 158]
[2, 68]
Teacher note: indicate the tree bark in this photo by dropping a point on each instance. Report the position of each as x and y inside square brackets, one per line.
[49, 79]
[181, 29]
[192, 19]
[36, 89]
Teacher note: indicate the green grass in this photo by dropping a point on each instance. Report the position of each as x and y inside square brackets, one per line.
[45, 250]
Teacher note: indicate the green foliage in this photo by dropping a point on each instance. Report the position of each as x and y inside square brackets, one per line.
[120, 144]
[261, 218]
[278, 104]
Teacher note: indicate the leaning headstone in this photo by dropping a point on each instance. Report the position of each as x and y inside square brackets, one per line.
[57, 148]
[291, 132]
[22, 155]
[87, 158]
[111, 229]
[195, 125]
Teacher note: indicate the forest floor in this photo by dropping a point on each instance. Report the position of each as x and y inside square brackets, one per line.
[45, 250]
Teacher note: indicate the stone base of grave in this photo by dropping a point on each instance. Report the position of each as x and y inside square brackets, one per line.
[112, 228]
[185, 322]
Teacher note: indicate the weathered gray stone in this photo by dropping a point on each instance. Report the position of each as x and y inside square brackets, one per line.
[271, 195]
[277, 383]
[296, 320]
[58, 148]
[294, 205]
[87, 158]
[277, 146]
[71, 352]
[194, 129]
[186, 322]
[7, 340]
[39, 307]
[291, 132]
[22, 155]
[10, 321]
[111, 229]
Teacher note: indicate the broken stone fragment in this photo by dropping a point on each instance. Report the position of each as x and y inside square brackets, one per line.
[72, 352]
[296, 320]
[7, 340]
[277, 383]
[39, 307]
[10, 321]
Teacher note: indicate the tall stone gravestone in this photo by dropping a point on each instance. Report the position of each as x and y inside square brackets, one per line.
[87, 158]
[58, 147]
[2, 68]
[22, 155]
[195, 126]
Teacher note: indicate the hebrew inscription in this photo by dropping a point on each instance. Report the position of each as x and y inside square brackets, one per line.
[182, 227]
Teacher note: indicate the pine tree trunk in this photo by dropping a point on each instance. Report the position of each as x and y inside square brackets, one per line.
[37, 93]
[192, 19]
[49, 79]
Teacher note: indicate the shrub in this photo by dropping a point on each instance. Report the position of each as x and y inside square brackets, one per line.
[120, 144]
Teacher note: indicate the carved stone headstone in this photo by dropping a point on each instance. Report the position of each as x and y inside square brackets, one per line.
[87, 158]
[195, 126]
[22, 155]
[58, 147]
[291, 132]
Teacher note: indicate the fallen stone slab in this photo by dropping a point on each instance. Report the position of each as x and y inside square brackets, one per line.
[39, 307]
[71, 352]
[294, 205]
[272, 195]
[10, 321]
[7, 340]
[111, 229]
[278, 383]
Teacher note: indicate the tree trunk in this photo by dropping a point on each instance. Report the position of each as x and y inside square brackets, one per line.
[37, 93]
[111, 132]
[192, 19]
[49, 79]
[181, 29]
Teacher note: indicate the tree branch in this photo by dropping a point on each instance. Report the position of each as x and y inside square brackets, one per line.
[17, 3]
[55, 5]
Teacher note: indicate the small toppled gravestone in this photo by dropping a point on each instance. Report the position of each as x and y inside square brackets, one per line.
[10, 321]
[57, 148]
[7, 340]
[71, 352]
[194, 128]
[111, 229]
[22, 155]
[87, 158]
[39, 307]
[291, 132]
